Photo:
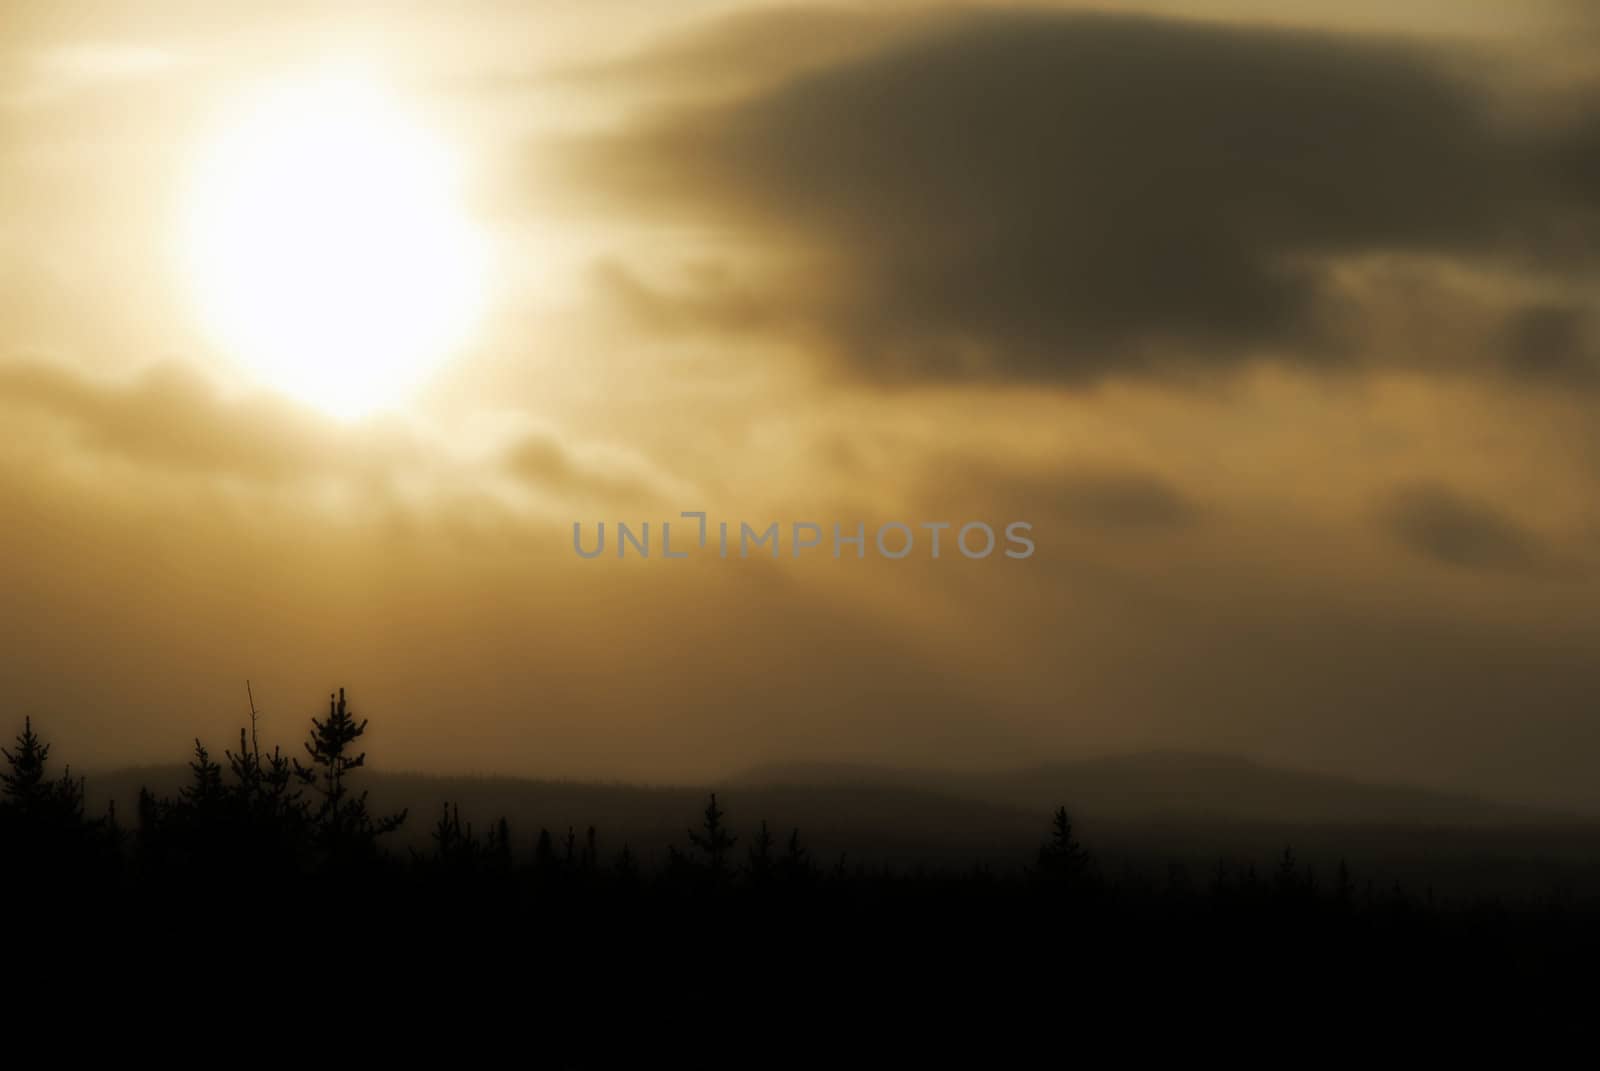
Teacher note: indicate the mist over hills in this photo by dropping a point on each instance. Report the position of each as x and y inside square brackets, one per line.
[1141, 814]
[1175, 786]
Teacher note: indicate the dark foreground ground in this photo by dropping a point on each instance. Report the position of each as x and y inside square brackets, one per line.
[681, 928]
[598, 966]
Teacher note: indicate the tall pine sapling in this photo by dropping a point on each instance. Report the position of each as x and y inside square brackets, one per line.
[713, 839]
[263, 781]
[23, 784]
[796, 863]
[26, 793]
[204, 790]
[761, 859]
[42, 823]
[498, 849]
[340, 821]
[454, 844]
[544, 851]
[1062, 860]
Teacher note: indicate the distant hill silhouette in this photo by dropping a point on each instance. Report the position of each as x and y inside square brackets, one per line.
[1139, 811]
[1176, 786]
[882, 822]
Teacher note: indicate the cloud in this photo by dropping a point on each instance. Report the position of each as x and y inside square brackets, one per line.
[170, 418]
[1124, 500]
[713, 299]
[1554, 342]
[1062, 196]
[742, 50]
[1437, 522]
[1089, 497]
[544, 462]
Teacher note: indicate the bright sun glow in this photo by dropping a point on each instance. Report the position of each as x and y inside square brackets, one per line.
[329, 246]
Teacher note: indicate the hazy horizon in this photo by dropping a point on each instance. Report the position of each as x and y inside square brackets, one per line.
[1140, 770]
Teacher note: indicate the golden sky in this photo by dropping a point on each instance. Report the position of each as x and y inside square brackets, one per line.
[320, 327]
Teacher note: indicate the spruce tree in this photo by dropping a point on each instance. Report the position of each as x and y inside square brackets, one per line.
[42, 822]
[455, 845]
[627, 866]
[204, 790]
[761, 860]
[544, 851]
[24, 784]
[498, 850]
[25, 792]
[1062, 860]
[272, 810]
[713, 839]
[341, 823]
[795, 865]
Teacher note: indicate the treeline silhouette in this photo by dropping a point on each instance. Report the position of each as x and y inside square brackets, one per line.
[289, 844]
[263, 814]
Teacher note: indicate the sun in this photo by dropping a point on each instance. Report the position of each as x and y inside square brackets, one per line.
[329, 248]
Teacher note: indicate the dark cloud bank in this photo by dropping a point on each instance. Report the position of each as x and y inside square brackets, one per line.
[1446, 526]
[1049, 196]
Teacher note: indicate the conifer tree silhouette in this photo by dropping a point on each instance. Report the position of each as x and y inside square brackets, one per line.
[544, 851]
[796, 861]
[149, 839]
[198, 820]
[270, 811]
[113, 829]
[262, 780]
[498, 850]
[450, 844]
[26, 792]
[627, 866]
[204, 790]
[1062, 860]
[713, 839]
[761, 860]
[341, 823]
[41, 819]
[1294, 882]
[1288, 868]
[24, 783]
